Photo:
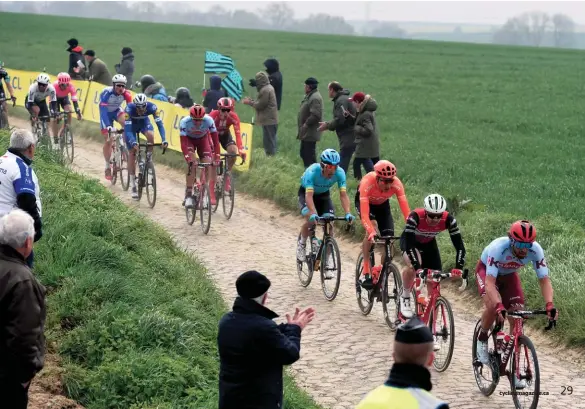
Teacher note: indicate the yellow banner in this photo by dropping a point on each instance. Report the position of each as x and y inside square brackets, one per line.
[171, 115]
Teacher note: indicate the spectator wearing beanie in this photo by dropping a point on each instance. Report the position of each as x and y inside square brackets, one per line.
[253, 349]
[310, 114]
[76, 61]
[97, 70]
[367, 141]
[126, 66]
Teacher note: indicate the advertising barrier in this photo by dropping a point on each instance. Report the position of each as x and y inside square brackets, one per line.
[89, 92]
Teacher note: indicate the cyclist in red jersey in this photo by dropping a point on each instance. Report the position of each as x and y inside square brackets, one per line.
[420, 248]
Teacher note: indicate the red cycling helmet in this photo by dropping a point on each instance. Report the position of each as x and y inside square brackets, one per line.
[63, 78]
[522, 231]
[197, 112]
[225, 104]
[385, 169]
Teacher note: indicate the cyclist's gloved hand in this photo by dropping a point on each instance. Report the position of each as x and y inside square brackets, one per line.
[135, 146]
[549, 307]
[501, 312]
[165, 144]
[371, 235]
[457, 272]
[110, 129]
[242, 153]
[313, 218]
[349, 218]
[13, 98]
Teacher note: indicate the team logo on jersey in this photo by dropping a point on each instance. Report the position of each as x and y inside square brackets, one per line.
[541, 263]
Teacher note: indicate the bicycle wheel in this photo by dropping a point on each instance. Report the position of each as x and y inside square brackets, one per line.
[228, 197]
[114, 167]
[150, 184]
[530, 373]
[123, 168]
[141, 181]
[365, 298]
[191, 213]
[492, 378]
[205, 209]
[218, 189]
[390, 292]
[68, 142]
[305, 277]
[330, 268]
[443, 331]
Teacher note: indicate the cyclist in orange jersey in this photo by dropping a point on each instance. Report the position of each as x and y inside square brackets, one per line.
[372, 202]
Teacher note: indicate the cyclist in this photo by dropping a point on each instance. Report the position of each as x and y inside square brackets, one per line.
[111, 100]
[63, 88]
[136, 115]
[314, 197]
[372, 202]
[4, 76]
[195, 131]
[36, 102]
[499, 284]
[420, 248]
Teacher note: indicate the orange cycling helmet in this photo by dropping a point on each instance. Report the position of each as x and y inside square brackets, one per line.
[523, 231]
[225, 104]
[63, 78]
[197, 112]
[385, 169]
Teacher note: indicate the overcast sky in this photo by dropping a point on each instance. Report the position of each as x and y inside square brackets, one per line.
[476, 12]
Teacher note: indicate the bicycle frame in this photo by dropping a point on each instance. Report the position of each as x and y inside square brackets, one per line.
[437, 276]
[325, 222]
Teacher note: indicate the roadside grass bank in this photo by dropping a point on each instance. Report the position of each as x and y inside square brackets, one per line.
[132, 317]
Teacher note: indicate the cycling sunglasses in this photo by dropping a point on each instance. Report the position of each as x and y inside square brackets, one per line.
[120, 86]
[225, 110]
[434, 216]
[328, 167]
[386, 181]
[521, 244]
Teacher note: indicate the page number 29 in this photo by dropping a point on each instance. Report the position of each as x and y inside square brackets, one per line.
[567, 390]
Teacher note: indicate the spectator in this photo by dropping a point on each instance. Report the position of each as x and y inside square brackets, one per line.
[152, 89]
[183, 98]
[275, 77]
[22, 311]
[266, 112]
[253, 349]
[76, 60]
[126, 66]
[19, 186]
[367, 151]
[310, 114]
[213, 94]
[343, 121]
[97, 70]
[409, 383]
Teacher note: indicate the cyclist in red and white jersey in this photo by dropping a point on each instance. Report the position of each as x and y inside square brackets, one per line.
[63, 88]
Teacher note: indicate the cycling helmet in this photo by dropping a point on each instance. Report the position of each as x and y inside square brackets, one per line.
[522, 230]
[385, 169]
[183, 92]
[43, 79]
[197, 112]
[146, 80]
[225, 103]
[330, 157]
[140, 100]
[119, 79]
[63, 78]
[435, 203]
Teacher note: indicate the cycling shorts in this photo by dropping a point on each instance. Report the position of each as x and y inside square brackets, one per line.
[428, 252]
[142, 128]
[201, 146]
[109, 120]
[380, 213]
[43, 107]
[322, 201]
[509, 286]
[62, 102]
[225, 139]
[2, 94]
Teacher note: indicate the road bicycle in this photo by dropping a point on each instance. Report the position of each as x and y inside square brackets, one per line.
[225, 186]
[41, 130]
[4, 114]
[200, 195]
[146, 174]
[322, 255]
[119, 158]
[515, 346]
[65, 138]
[387, 281]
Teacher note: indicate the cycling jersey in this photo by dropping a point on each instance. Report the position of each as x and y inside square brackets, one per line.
[36, 96]
[16, 178]
[386, 397]
[500, 260]
[370, 193]
[223, 125]
[70, 89]
[111, 105]
[207, 126]
[140, 123]
[314, 181]
[3, 76]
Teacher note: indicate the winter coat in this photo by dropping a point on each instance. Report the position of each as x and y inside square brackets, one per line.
[265, 103]
[275, 77]
[99, 71]
[310, 114]
[344, 114]
[366, 130]
[76, 55]
[126, 67]
[156, 91]
[213, 94]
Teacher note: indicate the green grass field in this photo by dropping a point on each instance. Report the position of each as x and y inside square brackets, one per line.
[133, 316]
[501, 126]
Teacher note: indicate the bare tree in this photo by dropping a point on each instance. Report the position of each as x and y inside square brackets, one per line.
[280, 15]
[525, 29]
[388, 30]
[563, 31]
[538, 23]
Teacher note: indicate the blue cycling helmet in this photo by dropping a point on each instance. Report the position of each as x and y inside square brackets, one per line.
[330, 157]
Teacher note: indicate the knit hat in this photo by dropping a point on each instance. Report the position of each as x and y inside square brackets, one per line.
[252, 284]
[414, 331]
[311, 81]
[126, 50]
[72, 43]
[358, 97]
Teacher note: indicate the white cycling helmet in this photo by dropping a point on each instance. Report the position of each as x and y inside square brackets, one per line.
[119, 79]
[140, 100]
[435, 203]
[43, 79]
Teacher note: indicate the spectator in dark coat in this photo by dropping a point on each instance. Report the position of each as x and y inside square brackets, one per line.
[22, 311]
[213, 94]
[275, 77]
[126, 66]
[367, 151]
[343, 122]
[76, 59]
[253, 349]
[310, 114]
[97, 70]
[266, 112]
[183, 98]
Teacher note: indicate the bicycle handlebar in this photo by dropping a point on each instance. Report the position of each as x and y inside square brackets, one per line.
[116, 131]
[329, 219]
[6, 99]
[152, 144]
[439, 275]
[233, 155]
[525, 314]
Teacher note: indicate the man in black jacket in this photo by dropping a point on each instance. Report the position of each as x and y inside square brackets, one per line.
[76, 60]
[253, 349]
[275, 77]
[22, 311]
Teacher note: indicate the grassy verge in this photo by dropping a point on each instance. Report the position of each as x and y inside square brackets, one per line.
[132, 316]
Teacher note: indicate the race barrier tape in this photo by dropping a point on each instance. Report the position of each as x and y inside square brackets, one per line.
[88, 93]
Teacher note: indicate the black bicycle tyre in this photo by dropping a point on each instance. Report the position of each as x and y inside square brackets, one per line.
[2, 118]
[365, 309]
[396, 277]
[305, 283]
[447, 304]
[125, 181]
[524, 340]
[69, 144]
[217, 189]
[495, 366]
[191, 214]
[232, 195]
[149, 169]
[331, 244]
[205, 193]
